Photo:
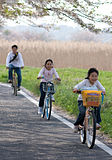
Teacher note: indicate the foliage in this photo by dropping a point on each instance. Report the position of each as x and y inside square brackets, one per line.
[85, 13]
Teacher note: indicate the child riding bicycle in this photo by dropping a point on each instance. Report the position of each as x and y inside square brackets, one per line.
[14, 61]
[47, 71]
[90, 82]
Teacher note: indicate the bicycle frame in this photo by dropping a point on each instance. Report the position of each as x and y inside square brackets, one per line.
[48, 98]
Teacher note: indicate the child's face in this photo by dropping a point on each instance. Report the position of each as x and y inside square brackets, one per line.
[14, 49]
[93, 77]
[49, 65]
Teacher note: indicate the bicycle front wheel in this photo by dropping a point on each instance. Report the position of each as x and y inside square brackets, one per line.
[15, 86]
[83, 135]
[91, 129]
[48, 107]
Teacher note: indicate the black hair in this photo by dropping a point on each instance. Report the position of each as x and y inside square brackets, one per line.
[15, 46]
[91, 70]
[48, 61]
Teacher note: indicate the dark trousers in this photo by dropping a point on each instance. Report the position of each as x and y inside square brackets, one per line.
[42, 96]
[18, 71]
[82, 111]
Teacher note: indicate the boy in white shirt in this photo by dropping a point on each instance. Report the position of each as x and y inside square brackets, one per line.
[14, 60]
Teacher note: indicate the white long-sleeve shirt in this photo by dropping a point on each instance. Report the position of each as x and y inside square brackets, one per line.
[85, 84]
[18, 62]
[48, 74]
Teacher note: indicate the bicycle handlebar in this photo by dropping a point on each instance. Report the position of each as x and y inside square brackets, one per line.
[15, 67]
[50, 80]
[79, 92]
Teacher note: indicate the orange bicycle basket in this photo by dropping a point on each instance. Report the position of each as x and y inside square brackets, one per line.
[91, 98]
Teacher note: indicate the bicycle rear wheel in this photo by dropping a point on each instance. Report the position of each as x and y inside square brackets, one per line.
[91, 129]
[48, 107]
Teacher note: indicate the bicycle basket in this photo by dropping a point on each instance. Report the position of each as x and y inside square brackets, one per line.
[49, 87]
[91, 98]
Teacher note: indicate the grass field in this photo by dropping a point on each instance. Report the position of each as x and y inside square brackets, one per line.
[64, 54]
[64, 96]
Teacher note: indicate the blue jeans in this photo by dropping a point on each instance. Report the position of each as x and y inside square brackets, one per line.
[82, 111]
[18, 71]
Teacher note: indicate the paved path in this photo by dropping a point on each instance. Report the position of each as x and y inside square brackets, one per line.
[25, 136]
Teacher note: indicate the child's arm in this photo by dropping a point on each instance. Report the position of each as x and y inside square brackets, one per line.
[56, 75]
[7, 61]
[79, 86]
[21, 60]
[100, 87]
[40, 73]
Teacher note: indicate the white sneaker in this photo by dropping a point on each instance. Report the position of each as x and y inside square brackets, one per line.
[40, 110]
[52, 97]
[98, 126]
[76, 128]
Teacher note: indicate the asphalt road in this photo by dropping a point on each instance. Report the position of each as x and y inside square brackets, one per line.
[26, 136]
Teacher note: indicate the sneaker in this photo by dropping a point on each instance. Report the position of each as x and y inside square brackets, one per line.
[19, 89]
[9, 81]
[52, 97]
[98, 126]
[40, 110]
[76, 128]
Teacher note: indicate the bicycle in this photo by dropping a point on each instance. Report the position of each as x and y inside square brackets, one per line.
[48, 88]
[91, 100]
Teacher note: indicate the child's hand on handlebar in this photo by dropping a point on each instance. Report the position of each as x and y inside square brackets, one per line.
[103, 92]
[75, 90]
[59, 79]
[39, 77]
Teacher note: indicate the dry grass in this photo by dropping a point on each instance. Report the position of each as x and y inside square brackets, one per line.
[64, 54]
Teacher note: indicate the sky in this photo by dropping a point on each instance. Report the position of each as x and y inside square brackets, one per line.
[44, 20]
